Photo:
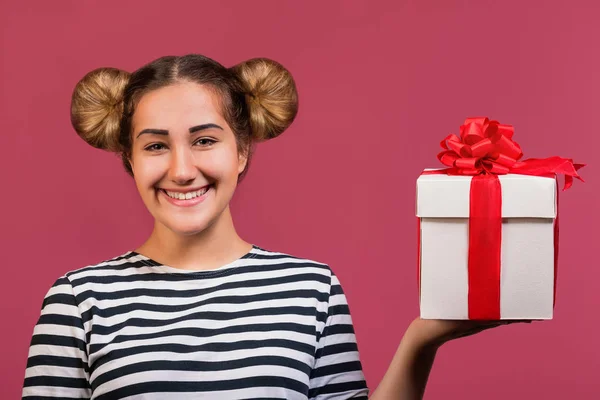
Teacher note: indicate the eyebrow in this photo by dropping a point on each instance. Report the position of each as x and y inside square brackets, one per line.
[193, 129]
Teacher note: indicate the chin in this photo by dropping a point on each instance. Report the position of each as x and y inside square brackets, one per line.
[187, 226]
[187, 229]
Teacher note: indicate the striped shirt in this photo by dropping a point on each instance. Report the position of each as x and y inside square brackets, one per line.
[268, 325]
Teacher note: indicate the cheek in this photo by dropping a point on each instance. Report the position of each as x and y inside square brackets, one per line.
[148, 173]
[219, 164]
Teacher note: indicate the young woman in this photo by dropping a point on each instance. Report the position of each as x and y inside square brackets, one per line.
[196, 311]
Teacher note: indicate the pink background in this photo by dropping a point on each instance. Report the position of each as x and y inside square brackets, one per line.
[381, 83]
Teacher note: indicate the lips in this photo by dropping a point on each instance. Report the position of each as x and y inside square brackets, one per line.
[186, 198]
[186, 195]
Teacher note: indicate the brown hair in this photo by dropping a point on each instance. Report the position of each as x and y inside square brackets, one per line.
[258, 99]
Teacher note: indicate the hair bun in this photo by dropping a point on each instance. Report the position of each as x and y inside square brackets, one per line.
[270, 94]
[97, 107]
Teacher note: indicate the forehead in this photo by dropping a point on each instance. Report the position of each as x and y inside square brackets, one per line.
[182, 103]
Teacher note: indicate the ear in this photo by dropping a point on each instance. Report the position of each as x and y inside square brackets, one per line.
[242, 161]
[130, 161]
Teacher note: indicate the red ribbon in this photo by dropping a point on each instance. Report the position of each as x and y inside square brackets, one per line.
[485, 238]
[484, 150]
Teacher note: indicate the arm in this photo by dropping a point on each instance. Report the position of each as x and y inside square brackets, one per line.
[407, 375]
[408, 372]
[57, 365]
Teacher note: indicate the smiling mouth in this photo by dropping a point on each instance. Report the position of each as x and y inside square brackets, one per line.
[187, 195]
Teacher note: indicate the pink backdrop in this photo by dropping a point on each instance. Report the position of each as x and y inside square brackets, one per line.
[381, 83]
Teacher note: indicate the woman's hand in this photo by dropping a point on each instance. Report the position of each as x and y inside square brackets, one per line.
[432, 333]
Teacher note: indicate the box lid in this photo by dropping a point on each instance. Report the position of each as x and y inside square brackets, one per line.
[523, 196]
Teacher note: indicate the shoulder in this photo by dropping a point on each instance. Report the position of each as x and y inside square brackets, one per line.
[302, 268]
[123, 265]
[65, 289]
[264, 256]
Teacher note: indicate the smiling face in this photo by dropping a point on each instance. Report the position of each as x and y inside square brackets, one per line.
[184, 157]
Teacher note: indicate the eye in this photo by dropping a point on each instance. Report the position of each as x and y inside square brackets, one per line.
[205, 142]
[155, 147]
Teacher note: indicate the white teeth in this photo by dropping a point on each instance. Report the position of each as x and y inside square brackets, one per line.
[186, 196]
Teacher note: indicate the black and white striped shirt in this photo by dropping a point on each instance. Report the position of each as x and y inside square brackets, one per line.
[268, 325]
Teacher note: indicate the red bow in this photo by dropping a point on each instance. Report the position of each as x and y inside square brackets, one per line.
[486, 147]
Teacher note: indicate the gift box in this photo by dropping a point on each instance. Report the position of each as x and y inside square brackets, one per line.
[488, 228]
[525, 281]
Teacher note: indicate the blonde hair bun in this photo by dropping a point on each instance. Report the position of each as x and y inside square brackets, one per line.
[270, 94]
[97, 107]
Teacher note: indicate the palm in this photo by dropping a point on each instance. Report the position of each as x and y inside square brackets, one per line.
[436, 332]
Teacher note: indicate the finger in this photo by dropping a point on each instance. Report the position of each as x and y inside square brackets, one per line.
[491, 323]
[504, 322]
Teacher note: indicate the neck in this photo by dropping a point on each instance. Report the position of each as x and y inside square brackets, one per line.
[217, 245]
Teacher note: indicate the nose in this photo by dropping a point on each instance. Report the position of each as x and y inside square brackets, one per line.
[182, 169]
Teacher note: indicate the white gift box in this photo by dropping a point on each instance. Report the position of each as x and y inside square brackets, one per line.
[529, 208]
